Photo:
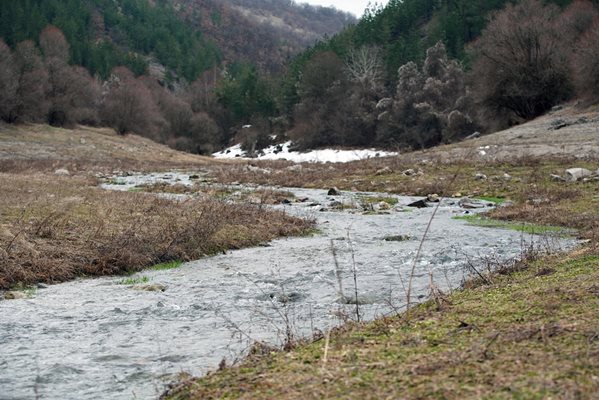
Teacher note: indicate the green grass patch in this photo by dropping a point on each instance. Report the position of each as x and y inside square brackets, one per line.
[29, 290]
[134, 280]
[494, 200]
[525, 227]
[378, 199]
[166, 266]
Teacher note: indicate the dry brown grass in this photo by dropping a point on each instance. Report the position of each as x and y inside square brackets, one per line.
[32, 147]
[56, 228]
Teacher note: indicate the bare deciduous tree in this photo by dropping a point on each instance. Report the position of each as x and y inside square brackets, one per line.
[72, 93]
[365, 67]
[8, 83]
[129, 106]
[54, 44]
[32, 105]
[575, 20]
[519, 66]
[586, 64]
[431, 105]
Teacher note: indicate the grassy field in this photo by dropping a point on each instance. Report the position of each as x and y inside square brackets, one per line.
[532, 333]
[56, 228]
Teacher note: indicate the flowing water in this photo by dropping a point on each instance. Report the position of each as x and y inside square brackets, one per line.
[99, 338]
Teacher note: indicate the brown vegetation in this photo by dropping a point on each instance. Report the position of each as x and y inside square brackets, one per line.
[520, 66]
[128, 105]
[60, 228]
[83, 150]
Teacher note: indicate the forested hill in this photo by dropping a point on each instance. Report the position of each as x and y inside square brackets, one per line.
[413, 74]
[186, 36]
[405, 29]
[265, 33]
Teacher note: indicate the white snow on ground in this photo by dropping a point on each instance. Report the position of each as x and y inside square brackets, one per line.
[281, 152]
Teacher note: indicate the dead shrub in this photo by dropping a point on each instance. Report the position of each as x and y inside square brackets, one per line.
[586, 64]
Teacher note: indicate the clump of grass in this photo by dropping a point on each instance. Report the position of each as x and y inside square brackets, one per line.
[134, 280]
[165, 187]
[166, 266]
[378, 199]
[29, 290]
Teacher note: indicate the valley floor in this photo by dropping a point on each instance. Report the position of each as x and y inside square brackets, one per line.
[529, 332]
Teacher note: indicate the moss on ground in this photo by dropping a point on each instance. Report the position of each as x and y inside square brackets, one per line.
[530, 334]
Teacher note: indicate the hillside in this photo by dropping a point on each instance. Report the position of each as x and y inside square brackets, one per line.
[186, 36]
[266, 33]
[34, 147]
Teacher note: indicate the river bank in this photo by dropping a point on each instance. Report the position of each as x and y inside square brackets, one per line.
[123, 337]
[55, 228]
[529, 333]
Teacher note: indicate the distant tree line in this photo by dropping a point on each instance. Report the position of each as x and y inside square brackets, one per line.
[37, 84]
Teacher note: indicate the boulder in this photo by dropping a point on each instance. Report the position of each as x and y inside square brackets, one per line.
[433, 198]
[409, 172]
[155, 287]
[334, 192]
[471, 203]
[14, 295]
[62, 172]
[418, 204]
[575, 174]
[383, 206]
[384, 171]
[336, 205]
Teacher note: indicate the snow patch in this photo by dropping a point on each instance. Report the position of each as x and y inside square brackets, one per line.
[282, 152]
